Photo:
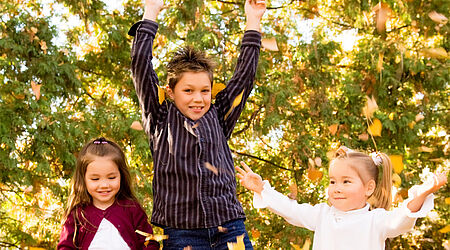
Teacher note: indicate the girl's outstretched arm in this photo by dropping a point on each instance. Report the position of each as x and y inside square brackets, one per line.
[440, 179]
[249, 179]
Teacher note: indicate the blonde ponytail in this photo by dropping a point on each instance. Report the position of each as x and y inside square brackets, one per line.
[382, 195]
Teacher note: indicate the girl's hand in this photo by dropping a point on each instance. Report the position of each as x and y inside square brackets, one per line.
[440, 179]
[249, 179]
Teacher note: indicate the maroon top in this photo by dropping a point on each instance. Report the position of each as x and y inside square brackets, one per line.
[125, 215]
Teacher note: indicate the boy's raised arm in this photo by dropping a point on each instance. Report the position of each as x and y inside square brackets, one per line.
[144, 77]
[230, 102]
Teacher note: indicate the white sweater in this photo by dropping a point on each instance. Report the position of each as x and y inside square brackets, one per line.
[334, 229]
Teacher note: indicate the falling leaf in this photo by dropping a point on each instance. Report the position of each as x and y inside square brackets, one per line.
[256, 234]
[318, 161]
[217, 87]
[136, 126]
[375, 128]
[397, 181]
[161, 94]
[314, 174]
[425, 149]
[438, 17]
[293, 191]
[36, 89]
[447, 200]
[397, 163]
[411, 124]
[211, 168]
[270, 44]
[380, 62]
[445, 229]
[239, 245]
[296, 247]
[222, 229]
[435, 53]
[370, 107]
[236, 102]
[155, 237]
[333, 128]
[382, 12]
[419, 117]
[391, 116]
[307, 244]
[43, 46]
[363, 137]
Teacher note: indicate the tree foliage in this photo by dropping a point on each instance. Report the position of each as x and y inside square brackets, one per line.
[65, 79]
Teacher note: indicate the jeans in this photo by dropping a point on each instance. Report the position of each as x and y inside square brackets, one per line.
[206, 238]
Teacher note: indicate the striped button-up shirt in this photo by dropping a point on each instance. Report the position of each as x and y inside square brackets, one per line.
[194, 184]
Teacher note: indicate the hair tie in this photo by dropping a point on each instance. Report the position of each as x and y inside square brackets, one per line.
[100, 140]
[376, 158]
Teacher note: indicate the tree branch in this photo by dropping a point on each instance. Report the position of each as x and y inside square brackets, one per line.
[261, 159]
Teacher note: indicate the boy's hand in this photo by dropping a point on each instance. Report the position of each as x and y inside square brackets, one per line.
[152, 9]
[249, 179]
[254, 10]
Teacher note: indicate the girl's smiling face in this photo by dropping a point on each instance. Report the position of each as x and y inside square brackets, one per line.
[102, 180]
[346, 190]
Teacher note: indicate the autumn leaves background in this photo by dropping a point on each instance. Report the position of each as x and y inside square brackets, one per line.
[65, 79]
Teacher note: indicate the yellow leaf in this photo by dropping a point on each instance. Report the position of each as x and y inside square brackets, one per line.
[397, 163]
[380, 62]
[161, 94]
[236, 102]
[438, 17]
[36, 89]
[445, 229]
[425, 149]
[270, 44]
[447, 200]
[239, 245]
[136, 126]
[217, 87]
[363, 137]
[391, 116]
[296, 247]
[411, 124]
[43, 46]
[375, 128]
[370, 107]
[307, 244]
[333, 128]
[396, 180]
[314, 174]
[435, 52]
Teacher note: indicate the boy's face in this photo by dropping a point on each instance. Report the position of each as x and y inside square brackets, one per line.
[192, 94]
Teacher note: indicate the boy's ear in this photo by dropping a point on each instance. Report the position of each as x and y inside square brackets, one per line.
[370, 187]
[169, 92]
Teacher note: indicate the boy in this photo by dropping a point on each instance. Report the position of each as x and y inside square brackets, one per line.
[194, 183]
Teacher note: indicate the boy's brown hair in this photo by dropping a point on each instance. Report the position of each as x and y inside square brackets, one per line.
[188, 59]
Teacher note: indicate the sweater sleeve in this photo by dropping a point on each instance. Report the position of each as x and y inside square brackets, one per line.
[142, 224]
[240, 86]
[402, 220]
[67, 234]
[145, 79]
[302, 215]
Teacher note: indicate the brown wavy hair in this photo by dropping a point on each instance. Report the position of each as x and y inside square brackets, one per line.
[79, 195]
